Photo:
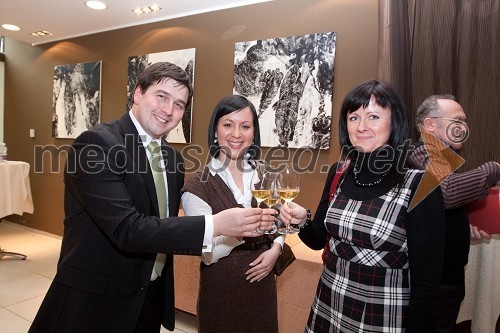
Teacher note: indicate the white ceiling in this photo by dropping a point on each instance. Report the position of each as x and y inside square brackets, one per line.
[71, 18]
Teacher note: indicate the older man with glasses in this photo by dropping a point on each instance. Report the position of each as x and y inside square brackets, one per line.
[441, 118]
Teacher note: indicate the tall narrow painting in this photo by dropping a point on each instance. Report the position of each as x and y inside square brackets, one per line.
[184, 59]
[76, 98]
[290, 81]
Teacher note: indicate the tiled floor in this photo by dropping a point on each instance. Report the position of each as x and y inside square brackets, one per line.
[23, 283]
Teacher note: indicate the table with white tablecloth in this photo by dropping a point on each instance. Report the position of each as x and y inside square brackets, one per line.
[15, 191]
[482, 295]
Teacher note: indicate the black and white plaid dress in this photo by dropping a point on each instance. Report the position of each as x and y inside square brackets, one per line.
[365, 284]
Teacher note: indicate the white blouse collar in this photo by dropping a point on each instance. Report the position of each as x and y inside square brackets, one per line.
[216, 167]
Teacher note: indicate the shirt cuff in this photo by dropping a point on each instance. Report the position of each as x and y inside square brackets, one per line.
[280, 240]
[492, 170]
[209, 234]
[222, 247]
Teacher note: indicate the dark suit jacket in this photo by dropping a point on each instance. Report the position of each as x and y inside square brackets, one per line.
[112, 234]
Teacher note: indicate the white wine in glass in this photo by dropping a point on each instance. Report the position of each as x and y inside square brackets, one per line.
[261, 195]
[288, 194]
[262, 185]
[270, 202]
[288, 187]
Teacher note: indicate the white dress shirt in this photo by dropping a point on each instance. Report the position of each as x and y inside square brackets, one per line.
[194, 205]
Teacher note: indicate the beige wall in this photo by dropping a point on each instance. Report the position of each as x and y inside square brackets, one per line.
[29, 73]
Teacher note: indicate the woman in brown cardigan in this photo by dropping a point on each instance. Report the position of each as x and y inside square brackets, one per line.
[237, 284]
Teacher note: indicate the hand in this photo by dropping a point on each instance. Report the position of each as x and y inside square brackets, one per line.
[263, 265]
[238, 222]
[476, 234]
[268, 219]
[292, 213]
[497, 185]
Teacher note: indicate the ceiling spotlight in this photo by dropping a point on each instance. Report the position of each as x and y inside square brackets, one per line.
[147, 10]
[41, 33]
[99, 5]
[11, 27]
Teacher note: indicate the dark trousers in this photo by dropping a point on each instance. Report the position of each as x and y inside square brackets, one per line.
[150, 318]
[450, 298]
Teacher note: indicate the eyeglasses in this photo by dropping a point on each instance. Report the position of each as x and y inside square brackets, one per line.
[454, 120]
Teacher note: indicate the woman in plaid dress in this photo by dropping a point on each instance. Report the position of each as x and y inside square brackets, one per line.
[384, 260]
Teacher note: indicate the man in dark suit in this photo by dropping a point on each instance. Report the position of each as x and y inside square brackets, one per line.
[109, 277]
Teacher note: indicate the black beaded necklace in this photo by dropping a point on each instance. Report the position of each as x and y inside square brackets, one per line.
[372, 164]
[370, 184]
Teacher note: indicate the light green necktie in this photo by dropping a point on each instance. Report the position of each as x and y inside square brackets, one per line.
[161, 193]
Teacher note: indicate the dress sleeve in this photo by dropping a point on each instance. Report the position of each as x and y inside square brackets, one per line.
[425, 233]
[313, 234]
[221, 245]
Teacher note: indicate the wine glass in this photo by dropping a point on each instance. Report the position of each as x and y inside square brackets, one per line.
[262, 184]
[288, 187]
[270, 202]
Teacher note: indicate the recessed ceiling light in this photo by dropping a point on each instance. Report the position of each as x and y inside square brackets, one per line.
[41, 33]
[11, 27]
[99, 5]
[146, 10]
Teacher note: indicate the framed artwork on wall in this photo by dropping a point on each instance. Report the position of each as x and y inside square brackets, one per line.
[76, 99]
[182, 58]
[290, 82]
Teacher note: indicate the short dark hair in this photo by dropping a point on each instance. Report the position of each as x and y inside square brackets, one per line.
[226, 106]
[160, 71]
[386, 97]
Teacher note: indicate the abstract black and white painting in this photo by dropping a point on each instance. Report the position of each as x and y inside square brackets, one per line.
[290, 82]
[184, 59]
[76, 98]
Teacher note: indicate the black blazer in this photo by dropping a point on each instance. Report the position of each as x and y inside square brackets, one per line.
[112, 234]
